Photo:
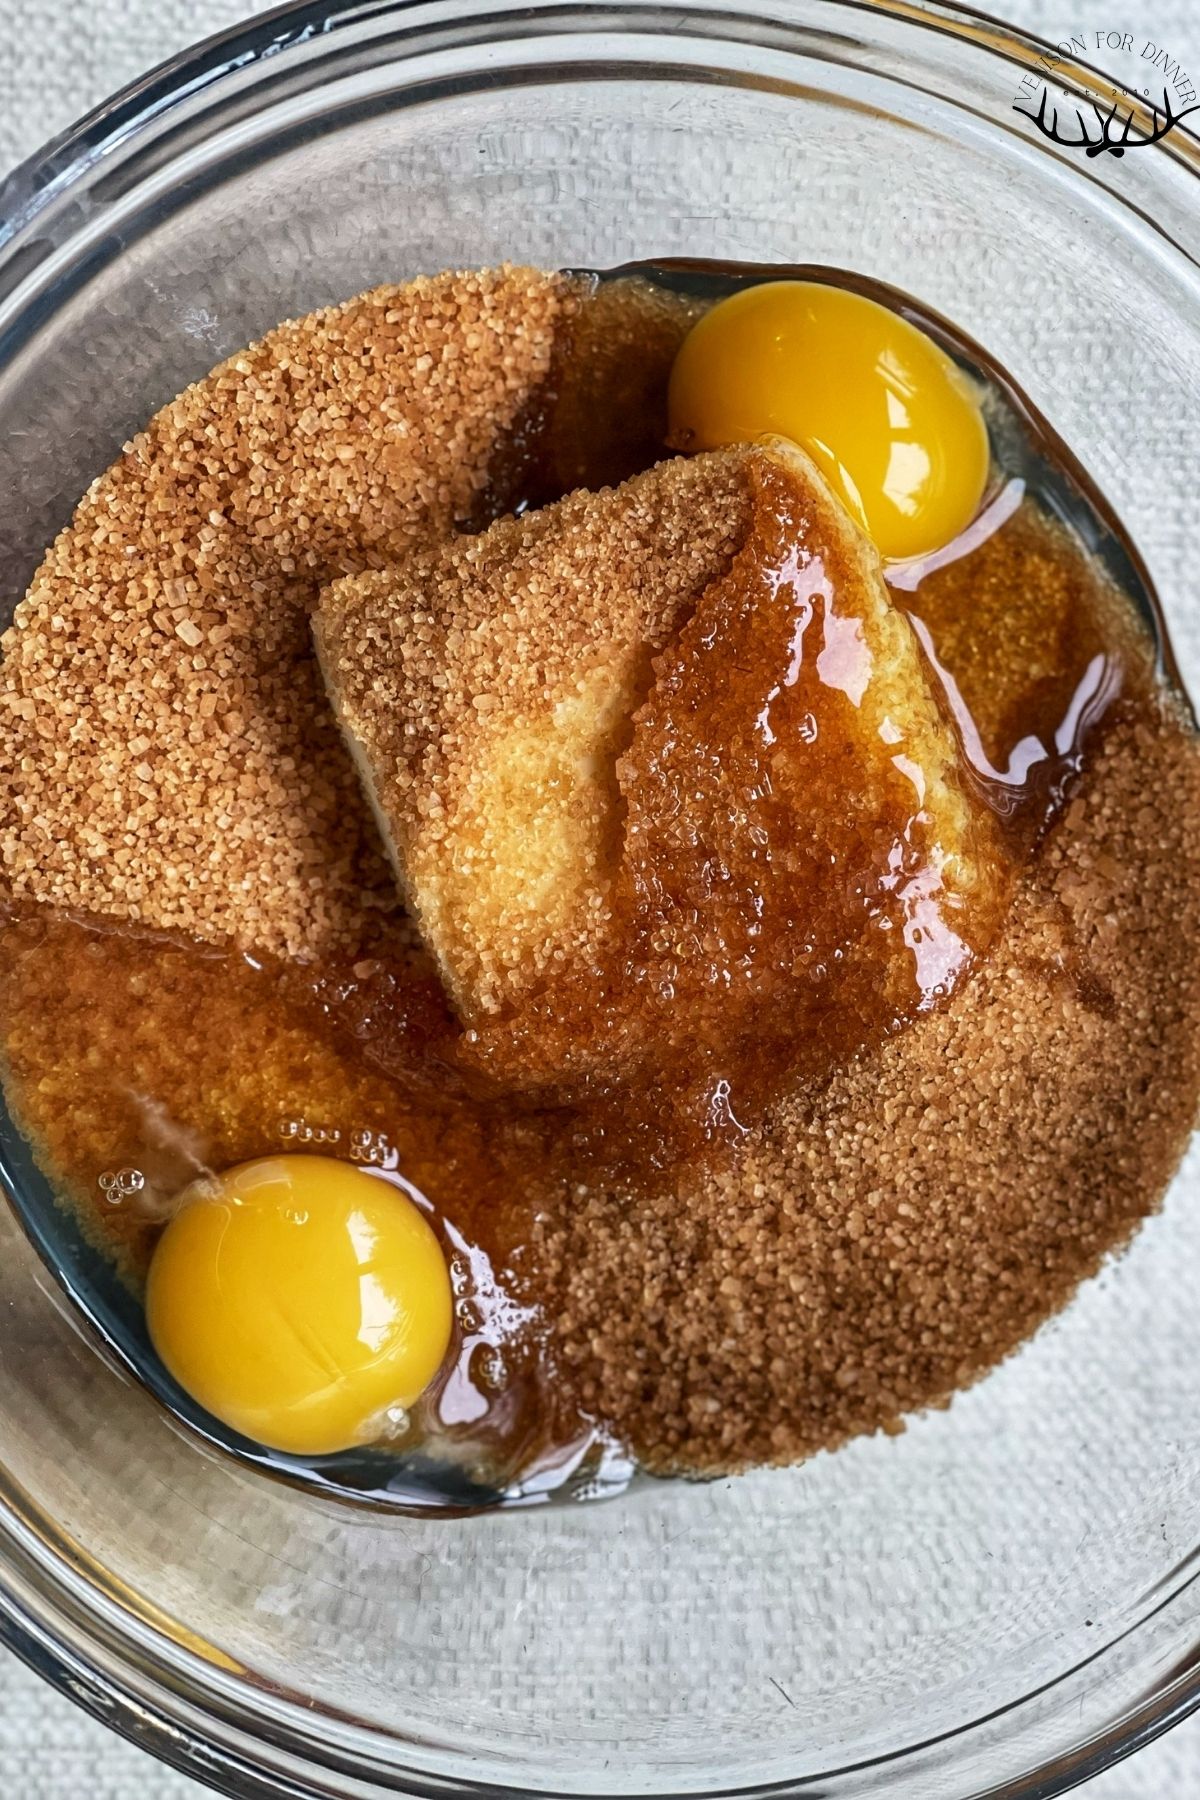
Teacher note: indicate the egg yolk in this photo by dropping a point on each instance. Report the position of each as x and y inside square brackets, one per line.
[298, 1299]
[888, 417]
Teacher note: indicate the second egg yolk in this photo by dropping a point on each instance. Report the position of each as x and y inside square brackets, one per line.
[298, 1299]
[888, 417]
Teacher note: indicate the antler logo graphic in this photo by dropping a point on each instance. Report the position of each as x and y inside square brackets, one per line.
[1114, 132]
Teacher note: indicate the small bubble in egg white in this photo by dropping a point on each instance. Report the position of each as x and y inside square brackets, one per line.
[299, 1131]
[372, 1148]
[121, 1185]
[490, 1371]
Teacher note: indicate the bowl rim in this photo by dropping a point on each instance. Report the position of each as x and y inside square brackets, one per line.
[44, 1621]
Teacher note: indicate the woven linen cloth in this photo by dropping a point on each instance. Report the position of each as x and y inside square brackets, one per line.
[57, 59]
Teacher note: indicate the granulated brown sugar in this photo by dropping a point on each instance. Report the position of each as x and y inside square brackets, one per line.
[867, 1254]
[171, 758]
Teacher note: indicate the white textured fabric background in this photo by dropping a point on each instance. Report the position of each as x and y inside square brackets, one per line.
[57, 58]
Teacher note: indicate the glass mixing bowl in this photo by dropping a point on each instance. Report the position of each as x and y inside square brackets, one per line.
[997, 1603]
